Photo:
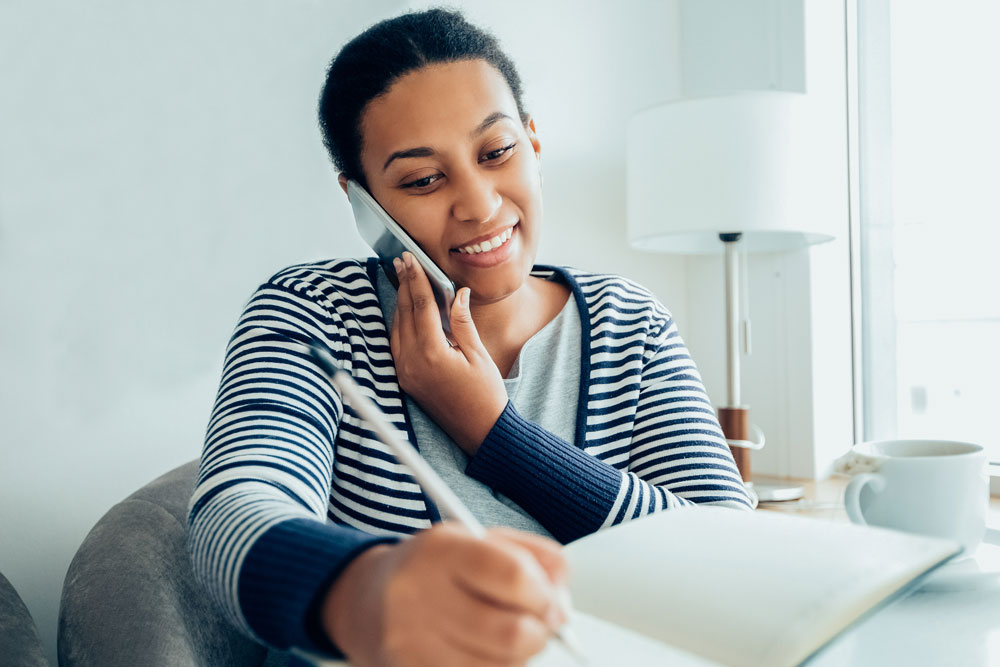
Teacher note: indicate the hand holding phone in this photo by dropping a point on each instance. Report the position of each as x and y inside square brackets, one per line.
[453, 379]
[389, 240]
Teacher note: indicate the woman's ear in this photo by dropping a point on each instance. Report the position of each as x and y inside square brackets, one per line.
[343, 182]
[529, 127]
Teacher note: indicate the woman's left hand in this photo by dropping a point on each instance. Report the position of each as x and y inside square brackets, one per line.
[460, 387]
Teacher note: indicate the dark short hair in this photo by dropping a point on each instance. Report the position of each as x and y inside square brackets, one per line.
[370, 63]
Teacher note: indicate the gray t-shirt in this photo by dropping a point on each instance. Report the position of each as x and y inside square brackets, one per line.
[543, 385]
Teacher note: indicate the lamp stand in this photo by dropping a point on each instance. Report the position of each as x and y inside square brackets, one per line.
[734, 418]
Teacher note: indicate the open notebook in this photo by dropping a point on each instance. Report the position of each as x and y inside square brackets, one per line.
[711, 586]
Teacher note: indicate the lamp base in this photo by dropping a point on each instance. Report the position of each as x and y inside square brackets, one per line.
[777, 493]
[735, 423]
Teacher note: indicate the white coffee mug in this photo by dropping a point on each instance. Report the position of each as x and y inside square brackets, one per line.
[939, 488]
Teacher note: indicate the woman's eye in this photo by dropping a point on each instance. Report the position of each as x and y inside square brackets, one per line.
[424, 182]
[498, 153]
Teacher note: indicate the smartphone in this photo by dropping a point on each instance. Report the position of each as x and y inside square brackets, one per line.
[389, 240]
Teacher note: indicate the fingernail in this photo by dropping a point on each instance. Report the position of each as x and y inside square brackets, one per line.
[397, 264]
[463, 296]
[554, 617]
[408, 259]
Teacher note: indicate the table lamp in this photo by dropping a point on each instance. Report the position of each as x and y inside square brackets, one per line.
[720, 175]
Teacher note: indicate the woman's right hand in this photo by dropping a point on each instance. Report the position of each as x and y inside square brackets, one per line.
[445, 598]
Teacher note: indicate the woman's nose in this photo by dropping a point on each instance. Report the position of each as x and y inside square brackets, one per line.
[476, 199]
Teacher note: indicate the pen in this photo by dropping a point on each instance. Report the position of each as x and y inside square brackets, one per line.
[419, 468]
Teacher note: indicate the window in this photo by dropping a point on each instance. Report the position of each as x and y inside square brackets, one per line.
[929, 204]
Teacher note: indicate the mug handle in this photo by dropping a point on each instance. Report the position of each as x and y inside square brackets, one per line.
[852, 495]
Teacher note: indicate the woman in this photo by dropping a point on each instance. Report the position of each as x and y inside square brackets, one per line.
[565, 401]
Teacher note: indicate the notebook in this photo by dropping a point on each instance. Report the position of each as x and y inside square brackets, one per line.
[711, 586]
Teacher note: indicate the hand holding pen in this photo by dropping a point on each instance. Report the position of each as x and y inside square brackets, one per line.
[505, 585]
[445, 598]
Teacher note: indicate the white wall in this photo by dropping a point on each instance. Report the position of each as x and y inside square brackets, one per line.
[158, 160]
[734, 45]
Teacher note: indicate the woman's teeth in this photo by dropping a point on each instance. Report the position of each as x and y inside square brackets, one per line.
[487, 246]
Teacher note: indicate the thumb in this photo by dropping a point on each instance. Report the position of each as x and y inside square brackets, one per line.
[463, 329]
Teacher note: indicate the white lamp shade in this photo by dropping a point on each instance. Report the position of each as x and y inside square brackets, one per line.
[734, 163]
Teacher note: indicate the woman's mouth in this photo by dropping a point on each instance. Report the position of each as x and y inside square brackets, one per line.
[489, 252]
[489, 245]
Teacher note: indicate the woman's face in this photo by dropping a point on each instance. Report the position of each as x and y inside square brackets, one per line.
[445, 153]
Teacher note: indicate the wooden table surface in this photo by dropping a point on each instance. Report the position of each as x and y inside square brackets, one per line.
[824, 499]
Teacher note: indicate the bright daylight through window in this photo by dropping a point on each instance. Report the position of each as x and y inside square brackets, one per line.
[929, 199]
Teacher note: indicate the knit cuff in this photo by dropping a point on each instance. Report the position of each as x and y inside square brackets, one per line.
[286, 574]
[565, 489]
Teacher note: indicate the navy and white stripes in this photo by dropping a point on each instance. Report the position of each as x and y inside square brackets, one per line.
[288, 473]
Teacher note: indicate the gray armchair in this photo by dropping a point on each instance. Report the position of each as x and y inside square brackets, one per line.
[19, 642]
[130, 597]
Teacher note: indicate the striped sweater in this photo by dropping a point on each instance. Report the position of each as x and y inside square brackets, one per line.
[292, 485]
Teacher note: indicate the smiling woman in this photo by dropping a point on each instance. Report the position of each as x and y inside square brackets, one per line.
[565, 401]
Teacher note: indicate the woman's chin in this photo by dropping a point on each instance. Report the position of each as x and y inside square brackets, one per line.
[496, 284]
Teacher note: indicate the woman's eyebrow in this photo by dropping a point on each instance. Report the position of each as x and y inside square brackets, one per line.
[494, 117]
[420, 151]
[425, 151]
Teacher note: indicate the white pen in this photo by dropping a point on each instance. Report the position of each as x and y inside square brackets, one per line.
[419, 468]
